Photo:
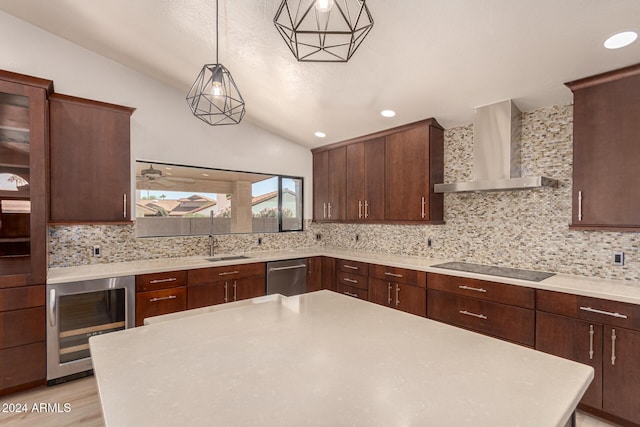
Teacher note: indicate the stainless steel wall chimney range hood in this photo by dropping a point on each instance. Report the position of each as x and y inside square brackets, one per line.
[497, 132]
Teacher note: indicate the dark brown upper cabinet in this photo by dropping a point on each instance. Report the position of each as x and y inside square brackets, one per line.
[365, 180]
[90, 161]
[387, 177]
[23, 166]
[606, 151]
[329, 185]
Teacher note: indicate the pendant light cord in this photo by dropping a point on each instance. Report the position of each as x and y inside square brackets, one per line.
[217, 37]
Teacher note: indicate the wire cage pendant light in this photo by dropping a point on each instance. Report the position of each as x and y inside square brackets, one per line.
[214, 96]
[323, 30]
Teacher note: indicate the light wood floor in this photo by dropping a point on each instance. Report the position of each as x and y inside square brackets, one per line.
[85, 410]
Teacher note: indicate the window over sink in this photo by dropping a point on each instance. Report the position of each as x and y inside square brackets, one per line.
[180, 200]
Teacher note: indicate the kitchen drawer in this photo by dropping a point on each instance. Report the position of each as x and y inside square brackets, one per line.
[557, 303]
[352, 280]
[19, 327]
[612, 313]
[597, 310]
[20, 366]
[24, 297]
[484, 290]
[353, 267]
[353, 291]
[499, 320]
[399, 275]
[169, 279]
[215, 274]
[162, 301]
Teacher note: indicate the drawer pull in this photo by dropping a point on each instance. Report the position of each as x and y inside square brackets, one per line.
[351, 294]
[590, 342]
[346, 279]
[386, 273]
[163, 298]
[468, 313]
[350, 267]
[470, 288]
[606, 313]
[226, 273]
[170, 279]
[613, 346]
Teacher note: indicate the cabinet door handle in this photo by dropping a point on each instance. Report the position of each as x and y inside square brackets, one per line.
[351, 294]
[346, 279]
[324, 210]
[606, 313]
[423, 207]
[163, 298]
[397, 295]
[386, 273]
[226, 292]
[366, 209]
[579, 205]
[169, 279]
[468, 313]
[226, 273]
[470, 288]
[329, 210]
[235, 291]
[124, 210]
[359, 208]
[613, 346]
[591, 342]
[389, 294]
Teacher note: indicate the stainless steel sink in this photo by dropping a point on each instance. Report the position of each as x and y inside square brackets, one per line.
[227, 258]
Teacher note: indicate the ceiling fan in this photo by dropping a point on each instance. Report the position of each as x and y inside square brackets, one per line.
[151, 175]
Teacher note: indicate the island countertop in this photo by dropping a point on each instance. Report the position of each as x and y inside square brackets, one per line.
[326, 359]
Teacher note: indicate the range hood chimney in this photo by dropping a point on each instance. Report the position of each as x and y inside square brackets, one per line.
[497, 132]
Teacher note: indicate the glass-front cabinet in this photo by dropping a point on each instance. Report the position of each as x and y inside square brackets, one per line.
[23, 130]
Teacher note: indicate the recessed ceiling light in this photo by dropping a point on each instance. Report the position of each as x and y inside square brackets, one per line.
[619, 40]
[320, 134]
[388, 113]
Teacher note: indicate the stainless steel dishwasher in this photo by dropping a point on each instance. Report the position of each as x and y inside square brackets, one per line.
[287, 277]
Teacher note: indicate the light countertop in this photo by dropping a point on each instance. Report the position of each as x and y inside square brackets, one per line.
[616, 290]
[326, 359]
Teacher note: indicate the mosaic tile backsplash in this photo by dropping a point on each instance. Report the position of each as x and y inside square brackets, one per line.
[520, 229]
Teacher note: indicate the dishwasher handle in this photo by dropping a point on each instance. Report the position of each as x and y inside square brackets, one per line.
[291, 267]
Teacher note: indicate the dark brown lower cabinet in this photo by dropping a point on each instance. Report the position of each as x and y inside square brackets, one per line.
[158, 302]
[314, 274]
[22, 338]
[511, 323]
[220, 292]
[329, 274]
[404, 297]
[600, 333]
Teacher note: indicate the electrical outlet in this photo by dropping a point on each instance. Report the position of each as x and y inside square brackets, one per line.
[429, 242]
[318, 237]
[96, 251]
[357, 237]
[259, 240]
[618, 258]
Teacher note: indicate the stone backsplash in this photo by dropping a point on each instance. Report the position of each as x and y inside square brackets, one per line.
[521, 229]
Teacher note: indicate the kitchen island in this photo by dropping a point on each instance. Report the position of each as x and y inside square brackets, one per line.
[326, 359]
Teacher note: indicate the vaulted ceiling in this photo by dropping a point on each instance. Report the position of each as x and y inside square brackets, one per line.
[423, 58]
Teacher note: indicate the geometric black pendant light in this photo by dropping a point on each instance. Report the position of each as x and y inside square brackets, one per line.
[323, 30]
[214, 97]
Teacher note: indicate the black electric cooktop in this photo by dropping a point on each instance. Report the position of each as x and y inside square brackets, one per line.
[513, 273]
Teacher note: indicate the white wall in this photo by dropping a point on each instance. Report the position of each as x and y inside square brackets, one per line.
[162, 127]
